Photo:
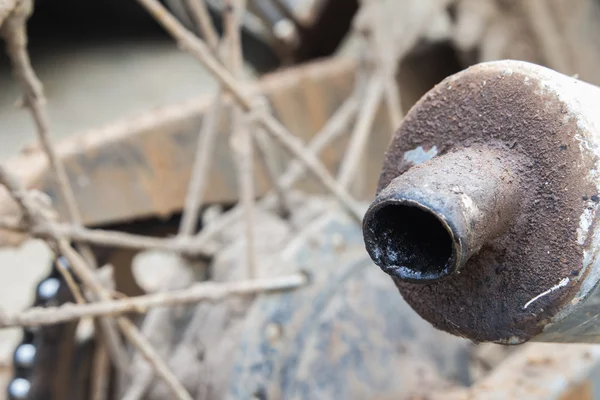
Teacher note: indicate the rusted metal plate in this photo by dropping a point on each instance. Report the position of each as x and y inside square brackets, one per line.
[140, 167]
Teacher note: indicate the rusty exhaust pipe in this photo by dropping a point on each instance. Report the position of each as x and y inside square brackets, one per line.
[429, 221]
[485, 216]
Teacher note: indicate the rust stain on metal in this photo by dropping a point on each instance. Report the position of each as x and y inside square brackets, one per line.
[483, 107]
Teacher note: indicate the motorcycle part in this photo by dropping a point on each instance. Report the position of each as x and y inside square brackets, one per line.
[501, 160]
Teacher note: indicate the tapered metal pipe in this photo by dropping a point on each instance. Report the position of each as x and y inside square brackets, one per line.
[428, 222]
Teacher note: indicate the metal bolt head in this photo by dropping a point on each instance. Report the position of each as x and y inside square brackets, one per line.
[19, 388]
[47, 289]
[286, 31]
[24, 356]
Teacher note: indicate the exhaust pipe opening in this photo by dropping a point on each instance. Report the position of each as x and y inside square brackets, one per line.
[410, 242]
[427, 222]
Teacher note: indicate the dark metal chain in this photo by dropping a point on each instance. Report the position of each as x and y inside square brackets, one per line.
[37, 357]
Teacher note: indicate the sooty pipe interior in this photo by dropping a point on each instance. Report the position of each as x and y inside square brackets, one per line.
[427, 222]
[412, 241]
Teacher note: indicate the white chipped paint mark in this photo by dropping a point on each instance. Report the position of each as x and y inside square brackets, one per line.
[564, 282]
[469, 208]
[419, 155]
[584, 144]
[514, 340]
[468, 203]
[585, 222]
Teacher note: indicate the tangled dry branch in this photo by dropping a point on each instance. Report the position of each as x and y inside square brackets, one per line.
[205, 291]
[361, 106]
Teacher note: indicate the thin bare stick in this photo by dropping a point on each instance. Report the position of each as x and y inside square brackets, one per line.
[6, 8]
[295, 147]
[387, 64]
[108, 331]
[108, 238]
[198, 49]
[100, 372]
[114, 344]
[201, 15]
[16, 41]
[201, 167]
[549, 36]
[334, 128]
[241, 140]
[28, 209]
[366, 115]
[203, 291]
[15, 36]
[130, 331]
[91, 281]
[267, 155]
[66, 274]
[242, 147]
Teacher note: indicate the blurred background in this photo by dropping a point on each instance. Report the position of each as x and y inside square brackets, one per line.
[107, 60]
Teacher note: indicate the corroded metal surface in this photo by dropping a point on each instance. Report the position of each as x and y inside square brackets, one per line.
[545, 261]
[140, 167]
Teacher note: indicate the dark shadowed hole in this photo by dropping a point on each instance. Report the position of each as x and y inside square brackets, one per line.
[410, 243]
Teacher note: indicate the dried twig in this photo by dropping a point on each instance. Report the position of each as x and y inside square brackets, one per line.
[267, 155]
[90, 280]
[130, 331]
[108, 238]
[14, 33]
[196, 47]
[313, 164]
[101, 372]
[33, 217]
[366, 115]
[201, 15]
[204, 291]
[241, 140]
[66, 274]
[35, 101]
[6, 8]
[334, 128]
[114, 343]
[158, 327]
[201, 167]
[387, 60]
[555, 49]
[200, 51]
